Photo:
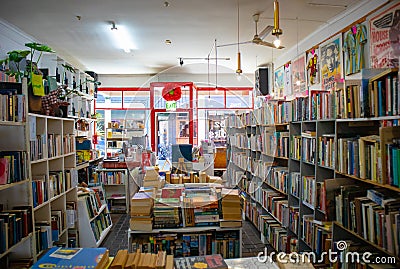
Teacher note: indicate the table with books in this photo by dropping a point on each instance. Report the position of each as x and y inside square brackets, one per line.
[187, 220]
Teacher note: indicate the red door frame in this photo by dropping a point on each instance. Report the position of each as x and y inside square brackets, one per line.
[158, 110]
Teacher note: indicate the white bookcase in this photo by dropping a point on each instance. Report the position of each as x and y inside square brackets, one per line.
[94, 219]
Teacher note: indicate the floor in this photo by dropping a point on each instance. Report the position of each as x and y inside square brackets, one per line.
[118, 238]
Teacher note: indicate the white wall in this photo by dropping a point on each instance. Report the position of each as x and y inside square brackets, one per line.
[223, 80]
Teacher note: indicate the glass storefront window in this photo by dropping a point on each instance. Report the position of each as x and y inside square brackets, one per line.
[109, 99]
[211, 99]
[136, 99]
[239, 99]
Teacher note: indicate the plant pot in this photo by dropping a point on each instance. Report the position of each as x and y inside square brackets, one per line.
[34, 102]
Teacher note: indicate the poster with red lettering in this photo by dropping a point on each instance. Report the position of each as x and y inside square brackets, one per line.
[385, 38]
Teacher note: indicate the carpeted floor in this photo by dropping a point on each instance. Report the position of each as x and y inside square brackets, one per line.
[118, 238]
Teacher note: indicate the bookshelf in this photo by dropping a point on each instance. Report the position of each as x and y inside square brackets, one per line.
[40, 189]
[118, 184]
[15, 189]
[115, 138]
[94, 218]
[342, 149]
[54, 181]
[189, 241]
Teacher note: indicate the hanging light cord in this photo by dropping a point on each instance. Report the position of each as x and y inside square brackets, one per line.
[238, 25]
[216, 65]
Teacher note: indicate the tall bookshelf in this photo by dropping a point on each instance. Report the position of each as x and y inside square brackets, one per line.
[340, 154]
[117, 184]
[54, 179]
[41, 195]
[16, 191]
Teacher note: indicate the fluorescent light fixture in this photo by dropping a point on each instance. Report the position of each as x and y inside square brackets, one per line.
[277, 42]
[121, 37]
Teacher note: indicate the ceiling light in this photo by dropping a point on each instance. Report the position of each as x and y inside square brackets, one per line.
[122, 38]
[168, 42]
[277, 42]
[238, 70]
[276, 31]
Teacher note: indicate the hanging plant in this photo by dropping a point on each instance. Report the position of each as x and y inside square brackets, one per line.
[171, 92]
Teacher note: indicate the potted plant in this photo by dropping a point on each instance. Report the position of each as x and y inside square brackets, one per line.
[14, 62]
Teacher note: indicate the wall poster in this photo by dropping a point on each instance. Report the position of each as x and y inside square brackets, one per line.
[385, 38]
[312, 67]
[299, 74]
[287, 89]
[331, 62]
[279, 82]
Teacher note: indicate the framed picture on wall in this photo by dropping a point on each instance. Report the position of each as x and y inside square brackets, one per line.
[299, 75]
[287, 87]
[279, 82]
[384, 38]
[331, 62]
[312, 67]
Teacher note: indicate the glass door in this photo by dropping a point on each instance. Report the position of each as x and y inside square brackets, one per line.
[172, 128]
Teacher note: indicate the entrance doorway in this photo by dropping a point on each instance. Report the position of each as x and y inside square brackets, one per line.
[172, 128]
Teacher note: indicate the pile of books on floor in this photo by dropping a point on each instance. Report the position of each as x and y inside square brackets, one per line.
[139, 260]
[142, 211]
[231, 206]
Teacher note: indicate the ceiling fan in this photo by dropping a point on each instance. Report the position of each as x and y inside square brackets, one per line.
[258, 37]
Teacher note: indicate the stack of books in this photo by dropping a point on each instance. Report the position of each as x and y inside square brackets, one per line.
[140, 260]
[141, 212]
[167, 213]
[201, 207]
[231, 208]
[152, 179]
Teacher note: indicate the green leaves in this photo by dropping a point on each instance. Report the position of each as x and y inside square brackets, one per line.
[69, 68]
[17, 55]
[39, 47]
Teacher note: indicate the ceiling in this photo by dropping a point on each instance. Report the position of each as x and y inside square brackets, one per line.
[192, 26]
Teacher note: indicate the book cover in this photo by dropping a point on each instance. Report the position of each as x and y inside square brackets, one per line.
[73, 258]
[205, 262]
[3, 171]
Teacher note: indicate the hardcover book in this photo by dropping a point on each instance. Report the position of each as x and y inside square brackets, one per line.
[96, 258]
[205, 262]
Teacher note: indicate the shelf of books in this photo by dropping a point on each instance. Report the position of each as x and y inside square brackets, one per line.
[116, 183]
[187, 220]
[340, 181]
[15, 189]
[37, 180]
[94, 219]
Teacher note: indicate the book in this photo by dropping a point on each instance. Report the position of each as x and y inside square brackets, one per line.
[3, 170]
[76, 257]
[209, 261]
